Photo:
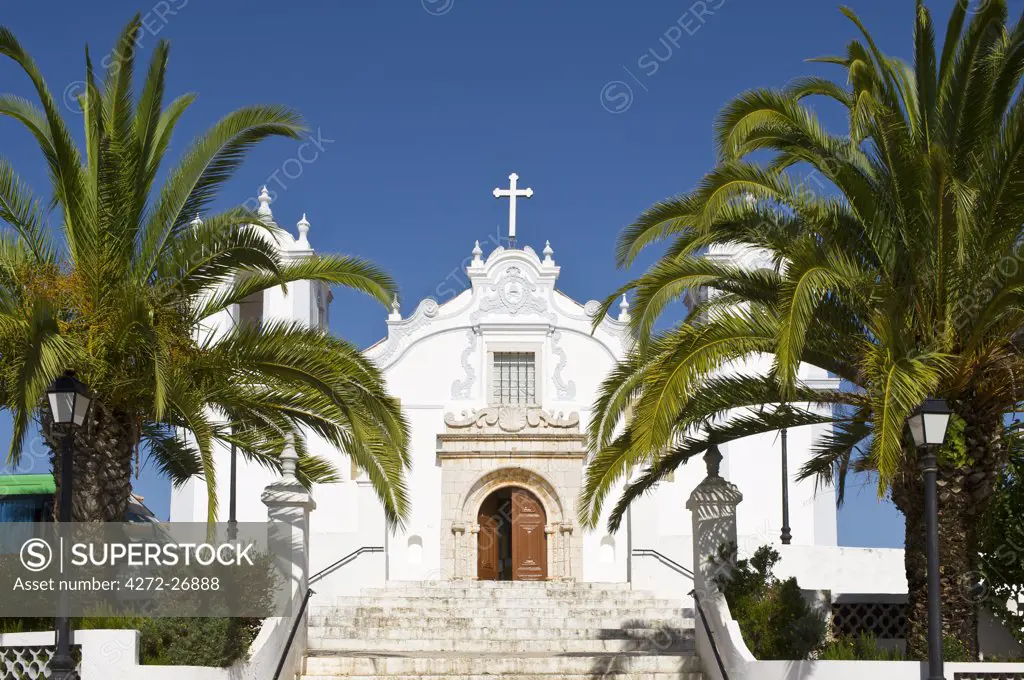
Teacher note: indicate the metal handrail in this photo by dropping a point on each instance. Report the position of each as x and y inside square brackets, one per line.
[667, 561]
[711, 638]
[330, 569]
[291, 635]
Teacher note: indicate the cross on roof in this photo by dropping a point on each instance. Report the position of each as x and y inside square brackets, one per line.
[511, 194]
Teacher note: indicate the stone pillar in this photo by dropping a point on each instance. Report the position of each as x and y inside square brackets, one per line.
[565, 530]
[471, 556]
[458, 548]
[288, 507]
[713, 504]
[552, 548]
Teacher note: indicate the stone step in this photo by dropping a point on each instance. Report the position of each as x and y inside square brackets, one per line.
[532, 610]
[505, 597]
[463, 623]
[332, 664]
[684, 629]
[611, 675]
[520, 590]
[463, 646]
[514, 596]
[510, 594]
[509, 585]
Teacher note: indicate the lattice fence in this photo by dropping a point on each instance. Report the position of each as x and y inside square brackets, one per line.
[881, 619]
[28, 662]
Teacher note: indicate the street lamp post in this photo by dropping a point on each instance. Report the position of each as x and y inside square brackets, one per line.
[787, 534]
[927, 424]
[233, 492]
[68, 400]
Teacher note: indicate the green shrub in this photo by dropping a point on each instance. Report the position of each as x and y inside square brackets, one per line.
[857, 648]
[775, 619]
[197, 642]
[953, 649]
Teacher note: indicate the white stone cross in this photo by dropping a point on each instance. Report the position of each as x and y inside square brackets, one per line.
[511, 194]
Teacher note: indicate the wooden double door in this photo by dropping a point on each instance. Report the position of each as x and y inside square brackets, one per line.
[512, 545]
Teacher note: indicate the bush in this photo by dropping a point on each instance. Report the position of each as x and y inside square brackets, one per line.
[216, 642]
[953, 649]
[197, 642]
[857, 648]
[775, 619]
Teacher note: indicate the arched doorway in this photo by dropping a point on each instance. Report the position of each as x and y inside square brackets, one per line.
[512, 545]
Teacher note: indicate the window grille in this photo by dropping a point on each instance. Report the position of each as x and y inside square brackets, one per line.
[515, 378]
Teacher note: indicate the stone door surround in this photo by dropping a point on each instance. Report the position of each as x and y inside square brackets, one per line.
[483, 451]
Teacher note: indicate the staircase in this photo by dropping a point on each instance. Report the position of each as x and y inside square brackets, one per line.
[482, 630]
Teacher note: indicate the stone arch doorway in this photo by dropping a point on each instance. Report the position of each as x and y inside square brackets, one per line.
[512, 539]
[463, 495]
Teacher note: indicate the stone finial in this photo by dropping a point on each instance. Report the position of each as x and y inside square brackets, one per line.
[548, 252]
[264, 199]
[289, 460]
[303, 227]
[624, 310]
[396, 314]
[713, 459]
[477, 252]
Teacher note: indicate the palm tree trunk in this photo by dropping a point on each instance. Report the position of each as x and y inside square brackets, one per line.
[965, 488]
[101, 466]
[957, 560]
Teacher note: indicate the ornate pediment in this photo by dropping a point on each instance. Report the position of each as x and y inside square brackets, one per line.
[512, 294]
[512, 420]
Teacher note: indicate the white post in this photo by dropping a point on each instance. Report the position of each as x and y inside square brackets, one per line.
[288, 507]
[713, 504]
[289, 503]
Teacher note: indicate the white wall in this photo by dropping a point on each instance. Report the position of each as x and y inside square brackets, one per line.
[843, 570]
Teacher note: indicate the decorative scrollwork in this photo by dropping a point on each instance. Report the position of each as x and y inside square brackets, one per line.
[462, 389]
[566, 390]
[511, 419]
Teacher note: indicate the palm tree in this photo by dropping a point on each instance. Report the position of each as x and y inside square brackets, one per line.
[901, 276]
[119, 291]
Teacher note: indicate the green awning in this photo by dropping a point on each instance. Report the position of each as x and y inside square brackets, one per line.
[27, 485]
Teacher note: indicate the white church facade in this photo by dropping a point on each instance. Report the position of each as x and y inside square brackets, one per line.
[498, 385]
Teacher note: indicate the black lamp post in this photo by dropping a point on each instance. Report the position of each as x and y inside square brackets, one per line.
[233, 492]
[927, 424]
[68, 400]
[787, 535]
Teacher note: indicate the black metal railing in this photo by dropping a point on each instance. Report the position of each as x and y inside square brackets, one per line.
[328, 570]
[667, 561]
[323, 573]
[711, 637]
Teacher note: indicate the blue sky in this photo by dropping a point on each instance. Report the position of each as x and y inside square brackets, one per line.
[419, 109]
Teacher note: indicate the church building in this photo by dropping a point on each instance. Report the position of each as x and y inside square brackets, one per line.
[498, 384]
